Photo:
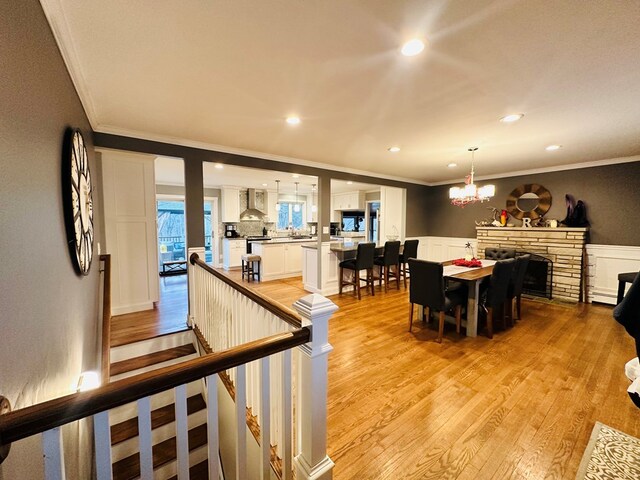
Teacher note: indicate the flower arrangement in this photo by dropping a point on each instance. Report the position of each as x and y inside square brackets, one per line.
[473, 263]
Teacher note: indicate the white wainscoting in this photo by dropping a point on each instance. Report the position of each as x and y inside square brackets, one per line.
[605, 262]
[440, 249]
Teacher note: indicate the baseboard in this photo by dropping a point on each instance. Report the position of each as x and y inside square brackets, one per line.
[136, 307]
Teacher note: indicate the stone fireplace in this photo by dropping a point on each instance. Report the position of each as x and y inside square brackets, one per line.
[563, 246]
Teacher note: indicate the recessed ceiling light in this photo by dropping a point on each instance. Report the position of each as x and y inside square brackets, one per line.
[293, 120]
[514, 117]
[412, 47]
[349, 182]
[551, 148]
[451, 165]
[393, 149]
[295, 175]
[219, 166]
[264, 184]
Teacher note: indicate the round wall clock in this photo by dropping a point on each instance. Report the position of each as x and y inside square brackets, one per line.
[78, 200]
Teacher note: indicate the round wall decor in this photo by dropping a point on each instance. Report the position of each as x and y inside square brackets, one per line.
[529, 201]
[78, 200]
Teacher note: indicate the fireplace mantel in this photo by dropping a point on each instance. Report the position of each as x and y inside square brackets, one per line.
[563, 246]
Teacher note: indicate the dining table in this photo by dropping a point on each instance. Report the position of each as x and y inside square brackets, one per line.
[472, 277]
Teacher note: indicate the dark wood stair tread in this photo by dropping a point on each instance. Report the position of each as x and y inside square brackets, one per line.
[164, 452]
[161, 416]
[199, 471]
[151, 359]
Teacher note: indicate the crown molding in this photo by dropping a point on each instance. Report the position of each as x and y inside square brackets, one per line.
[557, 168]
[62, 34]
[112, 130]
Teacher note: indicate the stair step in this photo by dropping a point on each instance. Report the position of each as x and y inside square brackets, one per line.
[150, 345]
[129, 468]
[159, 417]
[151, 359]
[197, 472]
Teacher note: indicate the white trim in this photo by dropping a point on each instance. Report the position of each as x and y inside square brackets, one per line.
[54, 13]
[557, 168]
[135, 307]
[605, 262]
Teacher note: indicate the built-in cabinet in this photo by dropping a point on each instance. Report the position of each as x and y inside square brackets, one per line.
[232, 251]
[230, 204]
[391, 216]
[271, 201]
[279, 260]
[348, 201]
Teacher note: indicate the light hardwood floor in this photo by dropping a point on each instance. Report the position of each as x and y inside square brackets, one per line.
[519, 406]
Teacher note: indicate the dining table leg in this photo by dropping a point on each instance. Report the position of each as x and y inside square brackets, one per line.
[472, 308]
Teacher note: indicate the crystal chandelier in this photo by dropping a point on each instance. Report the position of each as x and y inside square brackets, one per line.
[470, 193]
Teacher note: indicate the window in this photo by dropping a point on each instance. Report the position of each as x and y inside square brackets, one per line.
[288, 216]
[171, 231]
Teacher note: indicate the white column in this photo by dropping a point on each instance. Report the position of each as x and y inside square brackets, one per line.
[191, 281]
[313, 463]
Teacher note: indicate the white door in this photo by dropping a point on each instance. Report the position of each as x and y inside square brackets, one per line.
[130, 229]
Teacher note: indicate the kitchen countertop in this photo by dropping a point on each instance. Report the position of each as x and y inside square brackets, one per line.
[283, 240]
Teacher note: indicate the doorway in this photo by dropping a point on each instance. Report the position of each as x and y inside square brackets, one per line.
[211, 231]
[371, 218]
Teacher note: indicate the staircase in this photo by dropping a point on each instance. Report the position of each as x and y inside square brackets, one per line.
[144, 356]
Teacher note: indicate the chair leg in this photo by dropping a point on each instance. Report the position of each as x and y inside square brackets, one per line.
[371, 281]
[404, 274]
[242, 270]
[441, 327]
[410, 316]
[518, 307]
[356, 278]
[258, 271]
[380, 273]
[398, 276]
[508, 313]
[340, 277]
[490, 322]
[386, 278]
[458, 318]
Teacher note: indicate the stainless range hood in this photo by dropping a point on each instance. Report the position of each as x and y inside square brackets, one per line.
[251, 213]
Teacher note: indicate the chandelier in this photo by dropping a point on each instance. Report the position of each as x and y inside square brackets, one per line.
[470, 193]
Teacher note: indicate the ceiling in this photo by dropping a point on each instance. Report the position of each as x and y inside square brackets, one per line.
[170, 171]
[225, 74]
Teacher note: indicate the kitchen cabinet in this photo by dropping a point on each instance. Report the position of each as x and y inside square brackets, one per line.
[230, 204]
[232, 251]
[279, 259]
[392, 213]
[272, 200]
[348, 201]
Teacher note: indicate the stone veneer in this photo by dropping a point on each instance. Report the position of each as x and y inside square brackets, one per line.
[563, 246]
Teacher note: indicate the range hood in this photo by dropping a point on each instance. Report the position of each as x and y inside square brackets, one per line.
[251, 213]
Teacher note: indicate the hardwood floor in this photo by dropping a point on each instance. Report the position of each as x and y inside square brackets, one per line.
[168, 316]
[519, 406]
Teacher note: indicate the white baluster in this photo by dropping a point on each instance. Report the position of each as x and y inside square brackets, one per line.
[182, 432]
[144, 438]
[53, 454]
[285, 388]
[212, 425]
[313, 462]
[102, 441]
[241, 423]
[265, 420]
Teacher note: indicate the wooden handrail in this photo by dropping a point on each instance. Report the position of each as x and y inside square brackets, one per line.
[282, 312]
[38, 418]
[106, 316]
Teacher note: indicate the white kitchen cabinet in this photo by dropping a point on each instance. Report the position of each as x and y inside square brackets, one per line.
[279, 260]
[230, 204]
[349, 201]
[232, 251]
[292, 258]
[392, 213]
[272, 200]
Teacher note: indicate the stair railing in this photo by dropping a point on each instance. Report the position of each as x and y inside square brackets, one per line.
[47, 417]
[226, 313]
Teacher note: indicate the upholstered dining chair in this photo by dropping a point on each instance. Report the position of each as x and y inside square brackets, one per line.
[410, 250]
[427, 289]
[514, 291]
[364, 261]
[497, 253]
[498, 288]
[390, 258]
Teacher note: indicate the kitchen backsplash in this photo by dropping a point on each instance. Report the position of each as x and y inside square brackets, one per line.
[252, 228]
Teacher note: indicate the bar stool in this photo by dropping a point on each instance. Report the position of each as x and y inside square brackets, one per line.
[249, 264]
[623, 279]
[363, 261]
[390, 258]
[410, 250]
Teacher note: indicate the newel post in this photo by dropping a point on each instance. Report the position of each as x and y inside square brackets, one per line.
[313, 463]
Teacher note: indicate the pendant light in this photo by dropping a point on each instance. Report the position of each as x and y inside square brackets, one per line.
[277, 195]
[314, 207]
[463, 196]
[296, 206]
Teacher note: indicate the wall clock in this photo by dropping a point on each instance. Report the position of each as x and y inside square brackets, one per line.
[78, 201]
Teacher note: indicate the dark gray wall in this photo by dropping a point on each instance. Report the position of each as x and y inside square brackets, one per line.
[48, 315]
[611, 194]
[193, 157]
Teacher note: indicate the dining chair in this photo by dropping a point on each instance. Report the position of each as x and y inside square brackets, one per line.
[390, 258]
[497, 253]
[410, 250]
[497, 291]
[364, 261]
[427, 289]
[515, 286]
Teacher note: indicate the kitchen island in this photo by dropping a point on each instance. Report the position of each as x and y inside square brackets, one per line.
[280, 257]
[332, 253]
